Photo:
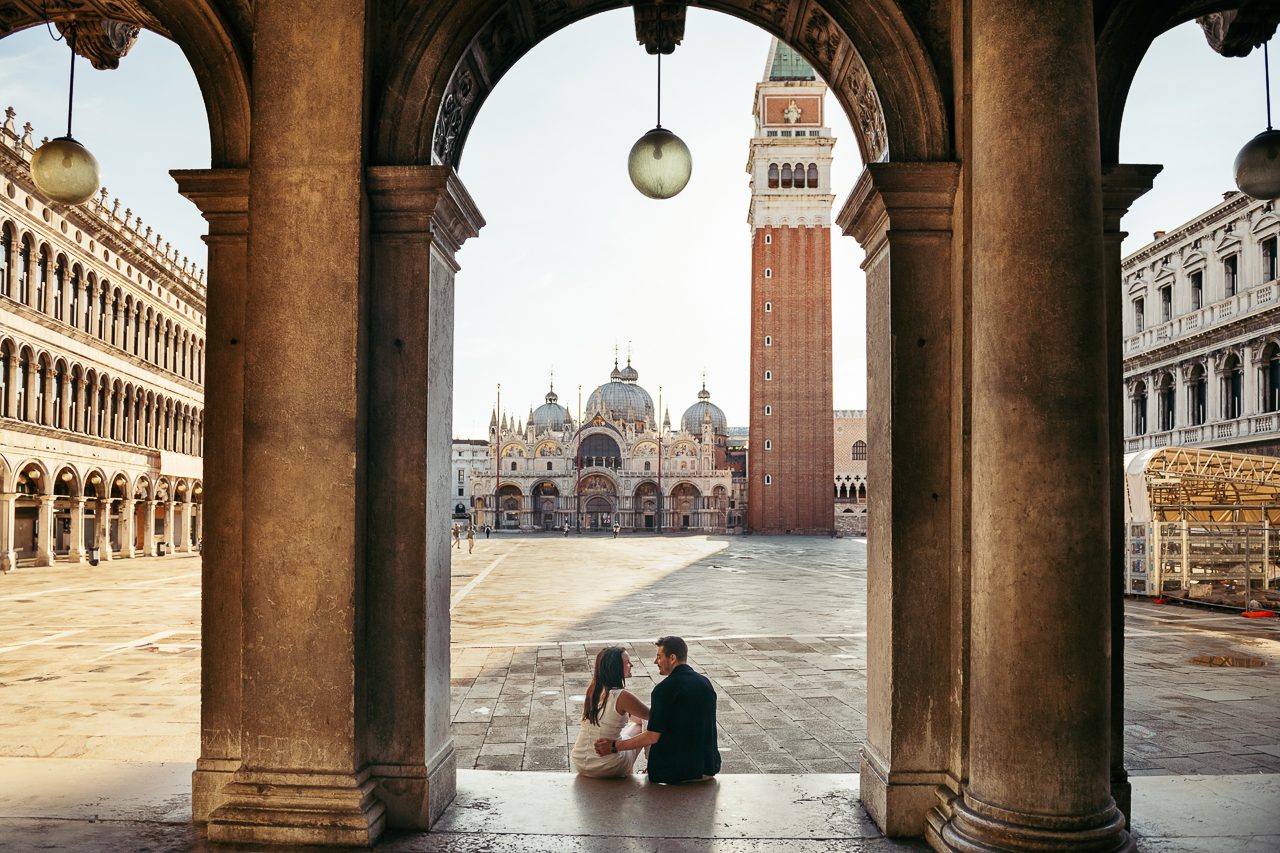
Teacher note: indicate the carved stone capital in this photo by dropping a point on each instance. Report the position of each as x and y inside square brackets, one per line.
[222, 196]
[1237, 32]
[1122, 185]
[410, 200]
[659, 25]
[902, 197]
[102, 41]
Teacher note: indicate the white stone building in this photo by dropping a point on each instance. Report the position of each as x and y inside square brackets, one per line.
[101, 378]
[617, 467]
[470, 457]
[851, 470]
[1202, 332]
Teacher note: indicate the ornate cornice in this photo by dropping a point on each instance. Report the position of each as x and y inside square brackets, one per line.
[415, 200]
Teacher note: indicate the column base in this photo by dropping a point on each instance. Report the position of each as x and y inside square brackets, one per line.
[43, 558]
[74, 556]
[8, 561]
[298, 808]
[416, 796]
[208, 782]
[1122, 793]
[978, 827]
[105, 555]
[897, 802]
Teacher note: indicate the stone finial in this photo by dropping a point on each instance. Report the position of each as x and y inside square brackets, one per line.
[26, 134]
[115, 207]
[102, 197]
[137, 224]
[9, 113]
[166, 248]
[128, 214]
[148, 234]
[44, 140]
[184, 261]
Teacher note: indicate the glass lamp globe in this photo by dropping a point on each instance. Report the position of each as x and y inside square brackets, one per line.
[660, 164]
[1258, 166]
[65, 171]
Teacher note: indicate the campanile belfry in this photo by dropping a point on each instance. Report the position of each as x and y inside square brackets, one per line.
[790, 464]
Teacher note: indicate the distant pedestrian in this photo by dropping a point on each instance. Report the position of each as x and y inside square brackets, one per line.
[616, 528]
[457, 537]
[487, 531]
[471, 539]
[566, 528]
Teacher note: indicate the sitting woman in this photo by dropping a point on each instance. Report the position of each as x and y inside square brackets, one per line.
[608, 712]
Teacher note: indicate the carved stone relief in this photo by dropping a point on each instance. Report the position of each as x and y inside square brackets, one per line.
[821, 37]
[102, 41]
[457, 101]
[868, 116]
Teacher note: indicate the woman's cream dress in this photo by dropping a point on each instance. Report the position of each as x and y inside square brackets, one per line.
[611, 726]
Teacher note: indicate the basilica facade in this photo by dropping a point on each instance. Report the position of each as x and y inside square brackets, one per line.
[616, 466]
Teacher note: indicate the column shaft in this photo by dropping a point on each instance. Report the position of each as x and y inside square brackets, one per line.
[8, 510]
[1040, 669]
[128, 514]
[75, 551]
[303, 775]
[901, 214]
[1121, 186]
[421, 215]
[44, 532]
[149, 530]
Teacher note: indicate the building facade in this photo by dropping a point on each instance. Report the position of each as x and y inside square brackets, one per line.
[1202, 333]
[618, 466]
[791, 440]
[850, 427]
[101, 378]
[470, 457]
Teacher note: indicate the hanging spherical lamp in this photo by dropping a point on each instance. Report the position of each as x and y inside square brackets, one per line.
[1257, 167]
[660, 164]
[62, 168]
[65, 171]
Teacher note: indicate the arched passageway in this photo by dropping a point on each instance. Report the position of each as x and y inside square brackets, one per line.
[373, 122]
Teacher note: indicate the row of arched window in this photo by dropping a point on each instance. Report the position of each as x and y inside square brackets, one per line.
[46, 389]
[1230, 396]
[788, 176]
[34, 277]
[848, 491]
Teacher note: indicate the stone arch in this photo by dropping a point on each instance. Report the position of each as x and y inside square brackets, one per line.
[38, 485]
[1123, 39]
[67, 481]
[217, 48]
[443, 68]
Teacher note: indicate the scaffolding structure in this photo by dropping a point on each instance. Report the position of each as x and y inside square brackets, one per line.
[1203, 525]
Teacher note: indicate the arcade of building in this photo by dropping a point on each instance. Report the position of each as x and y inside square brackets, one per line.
[101, 375]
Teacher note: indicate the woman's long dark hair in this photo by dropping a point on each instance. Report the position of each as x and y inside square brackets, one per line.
[606, 676]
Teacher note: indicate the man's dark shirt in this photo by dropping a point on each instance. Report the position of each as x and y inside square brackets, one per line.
[684, 713]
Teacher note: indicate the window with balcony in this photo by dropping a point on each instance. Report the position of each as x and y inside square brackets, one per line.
[1166, 303]
[1197, 290]
[773, 176]
[1230, 271]
[1269, 259]
[1232, 388]
[1139, 321]
[1140, 409]
[1197, 386]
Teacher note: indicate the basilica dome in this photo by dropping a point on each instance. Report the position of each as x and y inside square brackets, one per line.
[692, 419]
[550, 415]
[621, 399]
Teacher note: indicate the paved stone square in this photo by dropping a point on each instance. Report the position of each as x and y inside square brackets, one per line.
[103, 662]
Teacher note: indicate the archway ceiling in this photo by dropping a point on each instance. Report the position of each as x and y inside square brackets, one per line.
[507, 29]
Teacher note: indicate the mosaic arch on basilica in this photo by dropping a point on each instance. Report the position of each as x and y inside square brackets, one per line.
[963, 749]
[622, 467]
[102, 340]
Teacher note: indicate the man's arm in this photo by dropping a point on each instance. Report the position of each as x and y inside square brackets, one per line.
[605, 746]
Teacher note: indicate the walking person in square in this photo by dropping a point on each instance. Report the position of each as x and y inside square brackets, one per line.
[471, 538]
[457, 537]
[681, 735]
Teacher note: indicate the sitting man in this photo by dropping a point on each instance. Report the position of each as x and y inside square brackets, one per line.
[681, 737]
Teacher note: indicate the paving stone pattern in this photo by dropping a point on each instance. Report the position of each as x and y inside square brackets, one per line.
[103, 662]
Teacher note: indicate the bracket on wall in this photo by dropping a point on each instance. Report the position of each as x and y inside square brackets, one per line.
[656, 19]
[102, 41]
[1237, 32]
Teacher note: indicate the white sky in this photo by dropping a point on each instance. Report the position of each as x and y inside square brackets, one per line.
[574, 261]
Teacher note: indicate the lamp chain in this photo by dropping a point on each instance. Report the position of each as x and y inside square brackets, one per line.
[1266, 70]
[660, 66]
[71, 89]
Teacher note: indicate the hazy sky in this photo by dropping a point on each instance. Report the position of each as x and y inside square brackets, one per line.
[574, 261]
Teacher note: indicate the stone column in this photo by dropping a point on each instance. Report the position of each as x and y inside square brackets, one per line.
[29, 413]
[184, 528]
[1039, 690]
[902, 214]
[149, 529]
[8, 511]
[1153, 403]
[46, 387]
[76, 552]
[102, 531]
[170, 527]
[82, 405]
[223, 198]
[66, 400]
[1121, 186]
[1212, 394]
[128, 515]
[421, 216]
[304, 776]
[44, 532]
[1248, 383]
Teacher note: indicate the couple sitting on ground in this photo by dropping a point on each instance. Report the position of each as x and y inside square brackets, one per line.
[680, 740]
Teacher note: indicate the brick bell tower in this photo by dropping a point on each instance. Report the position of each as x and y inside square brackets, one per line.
[790, 463]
